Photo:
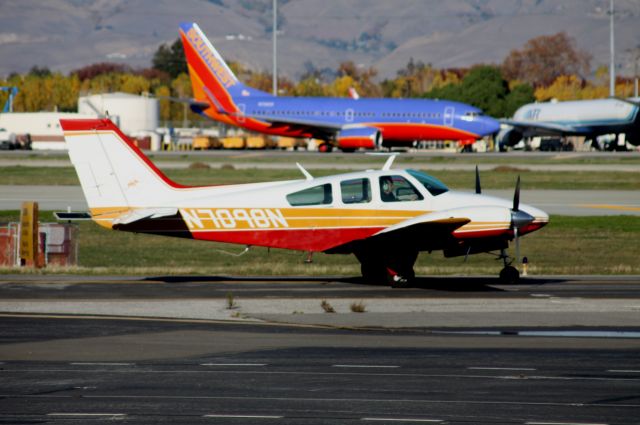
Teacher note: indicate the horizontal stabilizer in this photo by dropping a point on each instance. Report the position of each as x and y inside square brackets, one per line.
[72, 216]
[145, 213]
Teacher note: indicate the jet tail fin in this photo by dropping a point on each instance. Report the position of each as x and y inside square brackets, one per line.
[211, 78]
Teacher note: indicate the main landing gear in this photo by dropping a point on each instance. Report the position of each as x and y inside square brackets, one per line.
[395, 269]
[509, 275]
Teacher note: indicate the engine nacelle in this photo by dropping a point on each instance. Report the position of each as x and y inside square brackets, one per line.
[359, 137]
[509, 137]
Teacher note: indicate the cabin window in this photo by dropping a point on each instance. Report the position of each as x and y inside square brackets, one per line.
[432, 184]
[317, 195]
[398, 189]
[355, 191]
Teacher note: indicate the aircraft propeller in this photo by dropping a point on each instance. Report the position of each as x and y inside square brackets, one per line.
[478, 188]
[518, 219]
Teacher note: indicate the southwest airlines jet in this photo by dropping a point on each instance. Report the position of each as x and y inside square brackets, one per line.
[346, 123]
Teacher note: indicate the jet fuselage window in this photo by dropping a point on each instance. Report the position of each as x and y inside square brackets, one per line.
[355, 191]
[317, 195]
[398, 189]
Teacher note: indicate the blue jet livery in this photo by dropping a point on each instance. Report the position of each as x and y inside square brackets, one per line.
[346, 123]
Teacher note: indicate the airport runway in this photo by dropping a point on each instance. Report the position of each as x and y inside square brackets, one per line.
[557, 202]
[221, 373]
[63, 360]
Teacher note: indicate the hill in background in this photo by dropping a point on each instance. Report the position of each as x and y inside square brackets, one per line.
[69, 34]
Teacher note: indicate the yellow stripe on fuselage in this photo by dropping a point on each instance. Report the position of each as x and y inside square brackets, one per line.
[227, 219]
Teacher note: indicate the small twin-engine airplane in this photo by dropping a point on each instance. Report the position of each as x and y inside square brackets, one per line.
[347, 123]
[385, 217]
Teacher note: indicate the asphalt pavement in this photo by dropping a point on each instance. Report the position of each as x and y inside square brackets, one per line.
[100, 371]
[168, 349]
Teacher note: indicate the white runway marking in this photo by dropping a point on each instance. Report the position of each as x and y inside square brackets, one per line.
[100, 364]
[623, 371]
[561, 423]
[233, 364]
[501, 368]
[119, 415]
[366, 366]
[243, 416]
[402, 420]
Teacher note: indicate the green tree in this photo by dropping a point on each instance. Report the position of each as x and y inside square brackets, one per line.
[483, 87]
[170, 59]
[518, 96]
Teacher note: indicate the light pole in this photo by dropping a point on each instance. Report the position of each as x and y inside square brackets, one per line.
[275, 48]
[612, 65]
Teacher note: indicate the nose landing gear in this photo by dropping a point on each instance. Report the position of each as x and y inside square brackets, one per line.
[509, 275]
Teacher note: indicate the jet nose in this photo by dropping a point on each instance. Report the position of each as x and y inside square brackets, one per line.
[490, 125]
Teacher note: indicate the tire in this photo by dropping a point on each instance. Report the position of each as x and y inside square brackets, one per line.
[373, 273]
[509, 275]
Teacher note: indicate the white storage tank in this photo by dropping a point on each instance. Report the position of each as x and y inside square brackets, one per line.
[131, 113]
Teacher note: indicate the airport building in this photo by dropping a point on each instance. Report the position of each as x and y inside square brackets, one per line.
[137, 116]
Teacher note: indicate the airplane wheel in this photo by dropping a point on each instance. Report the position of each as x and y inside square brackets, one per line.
[398, 281]
[509, 275]
[373, 272]
[325, 147]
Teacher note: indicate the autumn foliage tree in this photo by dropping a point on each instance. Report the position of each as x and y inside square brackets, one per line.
[543, 59]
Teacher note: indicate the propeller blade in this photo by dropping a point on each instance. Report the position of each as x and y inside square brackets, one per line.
[517, 242]
[516, 196]
[478, 188]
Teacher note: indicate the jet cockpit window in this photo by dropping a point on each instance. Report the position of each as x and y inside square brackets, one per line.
[398, 189]
[317, 195]
[355, 191]
[469, 116]
[432, 184]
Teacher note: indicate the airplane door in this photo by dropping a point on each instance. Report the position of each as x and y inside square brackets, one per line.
[448, 115]
[348, 115]
[241, 111]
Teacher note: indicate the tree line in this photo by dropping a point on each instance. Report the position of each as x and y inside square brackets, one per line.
[546, 67]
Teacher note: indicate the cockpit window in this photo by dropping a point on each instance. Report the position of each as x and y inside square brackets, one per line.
[470, 115]
[317, 195]
[398, 189]
[432, 184]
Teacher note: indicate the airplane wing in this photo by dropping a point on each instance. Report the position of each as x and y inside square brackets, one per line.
[319, 130]
[417, 231]
[424, 227]
[545, 128]
[187, 100]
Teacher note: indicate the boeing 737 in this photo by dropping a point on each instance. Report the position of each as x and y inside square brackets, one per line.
[589, 118]
[345, 123]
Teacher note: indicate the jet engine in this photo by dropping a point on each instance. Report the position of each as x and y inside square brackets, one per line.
[360, 137]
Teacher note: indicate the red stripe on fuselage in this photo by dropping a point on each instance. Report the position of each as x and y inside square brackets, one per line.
[303, 239]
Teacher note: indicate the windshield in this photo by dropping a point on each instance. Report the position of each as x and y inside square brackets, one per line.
[432, 184]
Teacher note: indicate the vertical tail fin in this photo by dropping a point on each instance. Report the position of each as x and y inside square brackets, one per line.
[211, 78]
[115, 175]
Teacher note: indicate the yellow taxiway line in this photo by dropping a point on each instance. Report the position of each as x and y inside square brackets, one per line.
[611, 207]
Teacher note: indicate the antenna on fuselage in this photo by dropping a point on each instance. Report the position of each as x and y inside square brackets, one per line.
[387, 165]
[307, 175]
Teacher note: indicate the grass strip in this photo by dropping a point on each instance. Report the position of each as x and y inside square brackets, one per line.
[501, 178]
[568, 245]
